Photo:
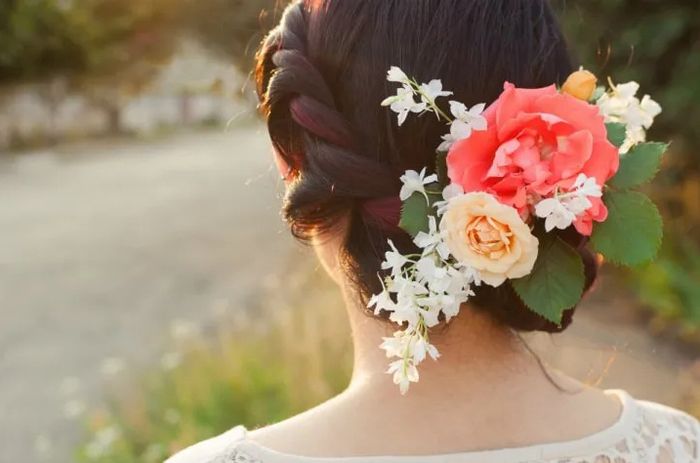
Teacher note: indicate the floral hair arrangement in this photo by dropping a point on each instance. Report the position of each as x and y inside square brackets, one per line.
[508, 176]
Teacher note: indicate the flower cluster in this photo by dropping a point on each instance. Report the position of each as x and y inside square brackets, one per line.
[404, 102]
[419, 292]
[561, 210]
[533, 156]
[622, 105]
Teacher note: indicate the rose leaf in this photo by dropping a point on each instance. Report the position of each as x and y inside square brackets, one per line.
[556, 281]
[633, 231]
[414, 214]
[639, 165]
[617, 133]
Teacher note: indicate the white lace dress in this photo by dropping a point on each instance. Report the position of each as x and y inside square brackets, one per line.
[645, 432]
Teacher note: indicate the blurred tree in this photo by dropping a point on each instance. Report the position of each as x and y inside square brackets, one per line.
[40, 38]
[110, 49]
[127, 42]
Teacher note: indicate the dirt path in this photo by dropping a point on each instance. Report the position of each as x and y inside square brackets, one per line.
[104, 247]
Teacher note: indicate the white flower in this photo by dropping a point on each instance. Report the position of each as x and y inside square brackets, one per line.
[431, 91]
[561, 210]
[587, 186]
[554, 212]
[466, 120]
[452, 191]
[414, 182]
[435, 276]
[622, 105]
[403, 103]
[419, 350]
[405, 372]
[394, 260]
[398, 345]
[406, 310]
[381, 301]
[432, 240]
[395, 74]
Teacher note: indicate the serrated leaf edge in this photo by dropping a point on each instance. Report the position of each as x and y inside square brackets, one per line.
[580, 273]
[657, 244]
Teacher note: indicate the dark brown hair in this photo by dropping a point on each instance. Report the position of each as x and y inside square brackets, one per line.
[321, 77]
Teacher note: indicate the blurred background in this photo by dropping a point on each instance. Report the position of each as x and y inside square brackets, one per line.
[151, 297]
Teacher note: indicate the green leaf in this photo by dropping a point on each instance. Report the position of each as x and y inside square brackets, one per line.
[639, 165]
[632, 233]
[617, 133]
[414, 214]
[556, 282]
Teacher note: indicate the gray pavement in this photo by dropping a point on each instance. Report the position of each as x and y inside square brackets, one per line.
[103, 246]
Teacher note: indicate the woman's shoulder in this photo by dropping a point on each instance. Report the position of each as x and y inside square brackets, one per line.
[218, 449]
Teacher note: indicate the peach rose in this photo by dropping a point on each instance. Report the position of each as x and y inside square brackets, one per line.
[537, 140]
[490, 237]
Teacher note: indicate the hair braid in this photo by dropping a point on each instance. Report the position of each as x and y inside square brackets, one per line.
[293, 89]
[329, 177]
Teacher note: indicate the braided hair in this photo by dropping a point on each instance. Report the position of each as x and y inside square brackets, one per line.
[321, 77]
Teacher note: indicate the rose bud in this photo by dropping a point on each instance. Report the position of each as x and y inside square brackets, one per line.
[581, 84]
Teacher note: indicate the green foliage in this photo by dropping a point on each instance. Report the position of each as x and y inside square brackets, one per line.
[617, 133]
[251, 373]
[414, 214]
[639, 165]
[416, 210]
[39, 38]
[556, 282]
[670, 285]
[113, 40]
[633, 231]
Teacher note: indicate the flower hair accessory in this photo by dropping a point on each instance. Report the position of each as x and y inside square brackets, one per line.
[507, 178]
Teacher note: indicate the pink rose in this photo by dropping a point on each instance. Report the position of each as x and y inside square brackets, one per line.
[537, 140]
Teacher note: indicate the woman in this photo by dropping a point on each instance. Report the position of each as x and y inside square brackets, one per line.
[320, 77]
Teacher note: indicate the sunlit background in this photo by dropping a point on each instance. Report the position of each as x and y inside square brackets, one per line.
[151, 297]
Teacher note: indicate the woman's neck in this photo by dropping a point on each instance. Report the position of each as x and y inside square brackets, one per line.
[475, 352]
[486, 391]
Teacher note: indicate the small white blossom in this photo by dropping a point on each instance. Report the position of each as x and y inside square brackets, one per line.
[622, 105]
[414, 182]
[397, 345]
[394, 260]
[452, 191]
[404, 373]
[561, 210]
[404, 102]
[431, 91]
[381, 301]
[395, 74]
[554, 212]
[432, 240]
[466, 121]
[587, 186]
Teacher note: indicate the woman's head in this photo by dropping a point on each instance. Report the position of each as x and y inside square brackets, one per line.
[321, 79]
